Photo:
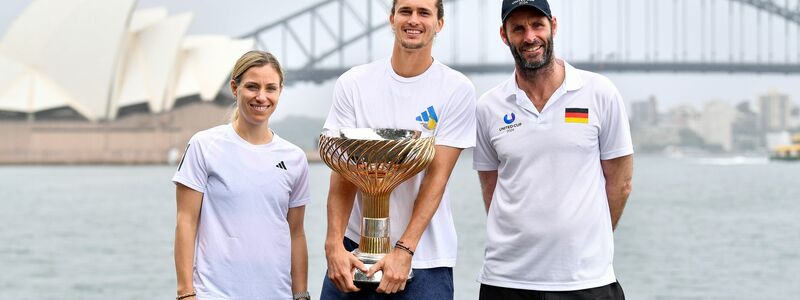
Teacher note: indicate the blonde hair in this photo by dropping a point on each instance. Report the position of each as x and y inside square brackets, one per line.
[253, 58]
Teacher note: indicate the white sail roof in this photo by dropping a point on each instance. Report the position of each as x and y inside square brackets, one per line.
[149, 66]
[206, 65]
[61, 40]
[97, 56]
[10, 99]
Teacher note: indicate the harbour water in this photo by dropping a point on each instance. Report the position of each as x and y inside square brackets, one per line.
[693, 229]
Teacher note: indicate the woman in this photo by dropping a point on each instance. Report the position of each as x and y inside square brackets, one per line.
[241, 193]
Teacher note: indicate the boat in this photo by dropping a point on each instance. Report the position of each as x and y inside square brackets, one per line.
[787, 152]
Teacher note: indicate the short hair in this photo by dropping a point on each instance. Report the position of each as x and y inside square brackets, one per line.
[439, 7]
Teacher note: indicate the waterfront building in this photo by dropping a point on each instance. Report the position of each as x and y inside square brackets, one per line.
[94, 81]
[90, 59]
[716, 125]
[774, 109]
[746, 131]
[644, 112]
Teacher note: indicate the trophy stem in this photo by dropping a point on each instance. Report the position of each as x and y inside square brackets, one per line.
[376, 206]
[375, 224]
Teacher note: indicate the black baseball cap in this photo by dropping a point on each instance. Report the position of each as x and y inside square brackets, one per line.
[511, 5]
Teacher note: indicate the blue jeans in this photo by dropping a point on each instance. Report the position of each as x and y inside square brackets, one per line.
[435, 283]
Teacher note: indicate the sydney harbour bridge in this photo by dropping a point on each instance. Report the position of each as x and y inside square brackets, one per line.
[321, 41]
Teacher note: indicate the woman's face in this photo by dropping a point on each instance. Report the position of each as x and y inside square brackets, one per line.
[257, 94]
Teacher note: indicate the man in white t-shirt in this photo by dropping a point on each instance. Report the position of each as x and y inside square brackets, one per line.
[554, 157]
[410, 90]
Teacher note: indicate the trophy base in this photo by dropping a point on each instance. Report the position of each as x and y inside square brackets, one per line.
[361, 280]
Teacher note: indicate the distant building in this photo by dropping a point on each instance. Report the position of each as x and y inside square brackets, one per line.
[716, 124]
[774, 109]
[682, 116]
[746, 132]
[794, 119]
[95, 82]
[644, 112]
[93, 59]
[680, 126]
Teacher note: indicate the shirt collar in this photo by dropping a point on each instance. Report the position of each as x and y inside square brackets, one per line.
[572, 79]
[572, 82]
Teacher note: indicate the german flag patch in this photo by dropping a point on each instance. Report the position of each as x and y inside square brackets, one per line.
[576, 115]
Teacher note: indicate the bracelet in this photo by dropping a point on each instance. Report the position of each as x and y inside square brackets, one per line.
[302, 295]
[187, 295]
[399, 245]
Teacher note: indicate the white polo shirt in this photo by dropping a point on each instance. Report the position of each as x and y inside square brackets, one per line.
[549, 226]
[440, 101]
[243, 245]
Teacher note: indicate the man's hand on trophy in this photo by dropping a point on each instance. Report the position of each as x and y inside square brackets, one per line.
[396, 266]
[340, 269]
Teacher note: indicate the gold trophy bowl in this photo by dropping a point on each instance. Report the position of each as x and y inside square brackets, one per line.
[376, 161]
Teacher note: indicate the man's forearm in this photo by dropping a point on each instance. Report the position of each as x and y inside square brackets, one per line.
[430, 193]
[617, 199]
[488, 180]
[425, 206]
[341, 195]
[618, 173]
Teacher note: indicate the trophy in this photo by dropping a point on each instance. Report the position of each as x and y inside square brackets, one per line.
[376, 161]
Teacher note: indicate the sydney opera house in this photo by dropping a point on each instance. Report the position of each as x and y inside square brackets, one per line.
[96, 81]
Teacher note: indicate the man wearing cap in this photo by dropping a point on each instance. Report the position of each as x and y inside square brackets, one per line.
[554, 158]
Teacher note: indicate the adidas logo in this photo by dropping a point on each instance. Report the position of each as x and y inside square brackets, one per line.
[428, 118]
[281, 165]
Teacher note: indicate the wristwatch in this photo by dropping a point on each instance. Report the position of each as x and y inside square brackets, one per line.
[302, 295]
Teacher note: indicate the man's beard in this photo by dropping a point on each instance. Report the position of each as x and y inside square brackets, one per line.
[413, 46]
[533, 67]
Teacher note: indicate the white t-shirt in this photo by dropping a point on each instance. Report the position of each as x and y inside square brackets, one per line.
[440, 101]
[549, 226]
[243, 245]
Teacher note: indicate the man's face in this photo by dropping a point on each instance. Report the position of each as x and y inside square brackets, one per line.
[529, 35]
[415, 23]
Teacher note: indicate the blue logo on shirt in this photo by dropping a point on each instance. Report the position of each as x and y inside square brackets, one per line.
[511, 120]
[428, 118]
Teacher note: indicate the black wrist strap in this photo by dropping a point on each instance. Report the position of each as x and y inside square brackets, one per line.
[399, 245]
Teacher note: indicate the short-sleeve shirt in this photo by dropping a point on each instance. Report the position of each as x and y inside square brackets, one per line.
[549, 226]
[243, 241]
[440, 101]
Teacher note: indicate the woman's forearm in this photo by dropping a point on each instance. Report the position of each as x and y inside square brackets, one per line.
[299, 265]
[184, 256]
[189, 202]
[299, 249]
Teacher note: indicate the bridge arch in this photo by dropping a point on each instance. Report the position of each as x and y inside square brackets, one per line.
[733, 36]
